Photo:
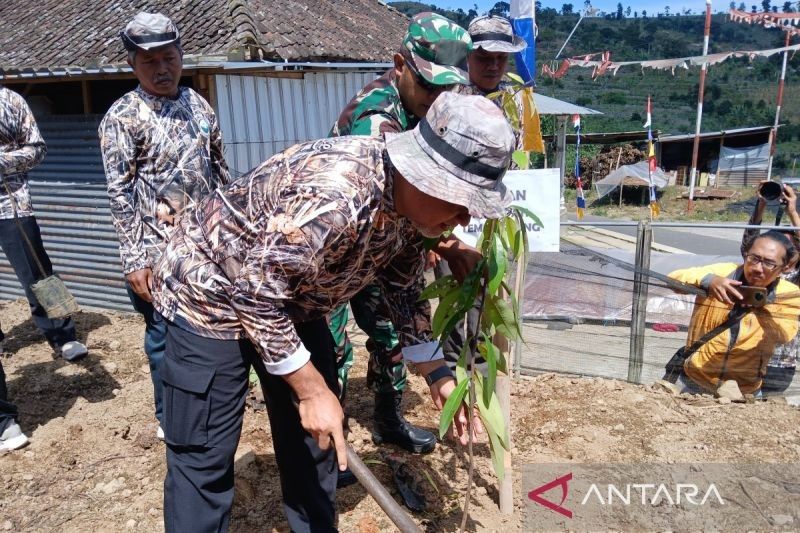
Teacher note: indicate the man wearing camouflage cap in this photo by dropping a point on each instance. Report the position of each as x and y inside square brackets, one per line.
[433, 51]
[493, 41]
[162, 151]
[254, 270]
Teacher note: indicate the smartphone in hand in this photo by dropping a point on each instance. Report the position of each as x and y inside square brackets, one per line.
[752, 296]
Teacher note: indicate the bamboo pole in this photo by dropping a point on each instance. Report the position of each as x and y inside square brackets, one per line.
[773, 134]
[700, 92]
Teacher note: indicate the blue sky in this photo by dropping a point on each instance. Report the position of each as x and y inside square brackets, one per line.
[697, 6]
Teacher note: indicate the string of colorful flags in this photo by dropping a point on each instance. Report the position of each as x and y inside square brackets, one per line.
[655, 208]
[600, 62]
[580, 200]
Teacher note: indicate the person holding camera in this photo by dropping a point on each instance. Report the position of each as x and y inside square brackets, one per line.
[783, 364]
[749, 329]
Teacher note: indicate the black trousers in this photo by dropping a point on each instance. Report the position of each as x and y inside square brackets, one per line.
[57, 332]
[205, 386]
[8, 411]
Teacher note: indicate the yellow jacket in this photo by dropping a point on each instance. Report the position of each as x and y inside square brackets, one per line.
[760, 331]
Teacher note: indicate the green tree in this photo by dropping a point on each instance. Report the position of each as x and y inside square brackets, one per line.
[619, 11]
[566, 9]
[787, 7]
[628, 11]
[742, 6]
[767, 5]
[733, 5]
[501, 9]
[666, 10]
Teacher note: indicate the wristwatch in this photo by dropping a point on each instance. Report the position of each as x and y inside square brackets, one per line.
[439, 373]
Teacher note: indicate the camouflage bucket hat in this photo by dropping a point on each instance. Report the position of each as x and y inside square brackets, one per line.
[495, 34]
[148, 31]
[458, 153]
[438, 48]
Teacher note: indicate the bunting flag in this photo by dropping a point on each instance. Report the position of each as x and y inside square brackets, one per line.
[655, 208]
[600, 62]
[580, 201]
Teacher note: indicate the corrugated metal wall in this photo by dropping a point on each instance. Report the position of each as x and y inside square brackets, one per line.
[261, 116]
[71, 206]
[258, 116]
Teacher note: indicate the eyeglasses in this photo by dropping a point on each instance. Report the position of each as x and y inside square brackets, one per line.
[767, 264]
[427, 86]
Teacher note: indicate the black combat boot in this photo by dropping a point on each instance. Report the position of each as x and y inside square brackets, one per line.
[391, 427]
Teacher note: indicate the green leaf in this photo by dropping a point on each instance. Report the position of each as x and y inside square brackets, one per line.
[490, 413]
[522, 159]
[528, 213]
[510, 110]
[501, 358]
[501, 315]
[451, 406]
[444, 311]
[515, 78]
[513, 236]
[438, 288]
[498, 456]
[497, 263]
[491, 356]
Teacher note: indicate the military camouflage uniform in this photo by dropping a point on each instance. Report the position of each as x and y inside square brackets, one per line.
[161, 156]
[375, 110]
[288, 242]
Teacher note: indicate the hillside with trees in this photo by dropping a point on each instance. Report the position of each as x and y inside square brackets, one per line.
[739, 92]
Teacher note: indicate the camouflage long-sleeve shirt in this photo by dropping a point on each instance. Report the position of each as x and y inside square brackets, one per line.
[288, 242]
[375, 110]
[21, 149]
[161, 156]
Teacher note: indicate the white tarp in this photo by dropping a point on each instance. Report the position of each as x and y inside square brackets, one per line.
[636, 171]
[740, 159]
[537, 190]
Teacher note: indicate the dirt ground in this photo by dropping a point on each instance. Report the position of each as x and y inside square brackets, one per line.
[94, 463]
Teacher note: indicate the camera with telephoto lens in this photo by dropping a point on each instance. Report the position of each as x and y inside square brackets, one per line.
[770, 190]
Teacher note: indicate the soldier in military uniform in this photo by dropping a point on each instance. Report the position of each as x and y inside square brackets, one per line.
[428, 63]
[162, 150]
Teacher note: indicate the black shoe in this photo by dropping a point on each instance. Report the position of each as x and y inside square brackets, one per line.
[391, 427]
[345, 479]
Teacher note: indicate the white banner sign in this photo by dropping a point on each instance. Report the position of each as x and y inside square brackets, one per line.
[536, 190]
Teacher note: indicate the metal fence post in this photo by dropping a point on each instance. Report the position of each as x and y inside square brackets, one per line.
[644, 239]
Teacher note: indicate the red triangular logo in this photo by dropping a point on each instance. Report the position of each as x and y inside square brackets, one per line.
[562, 482]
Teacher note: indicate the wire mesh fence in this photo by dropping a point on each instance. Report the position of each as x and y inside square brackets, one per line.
[578, 304]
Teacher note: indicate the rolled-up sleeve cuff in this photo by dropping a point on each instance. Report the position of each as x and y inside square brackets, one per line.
[289, 364]
[423, 353]
[706, 281]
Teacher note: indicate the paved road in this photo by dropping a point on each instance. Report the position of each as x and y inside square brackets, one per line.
[694, 240]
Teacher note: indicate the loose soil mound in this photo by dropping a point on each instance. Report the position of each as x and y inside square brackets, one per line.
[94, 463]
